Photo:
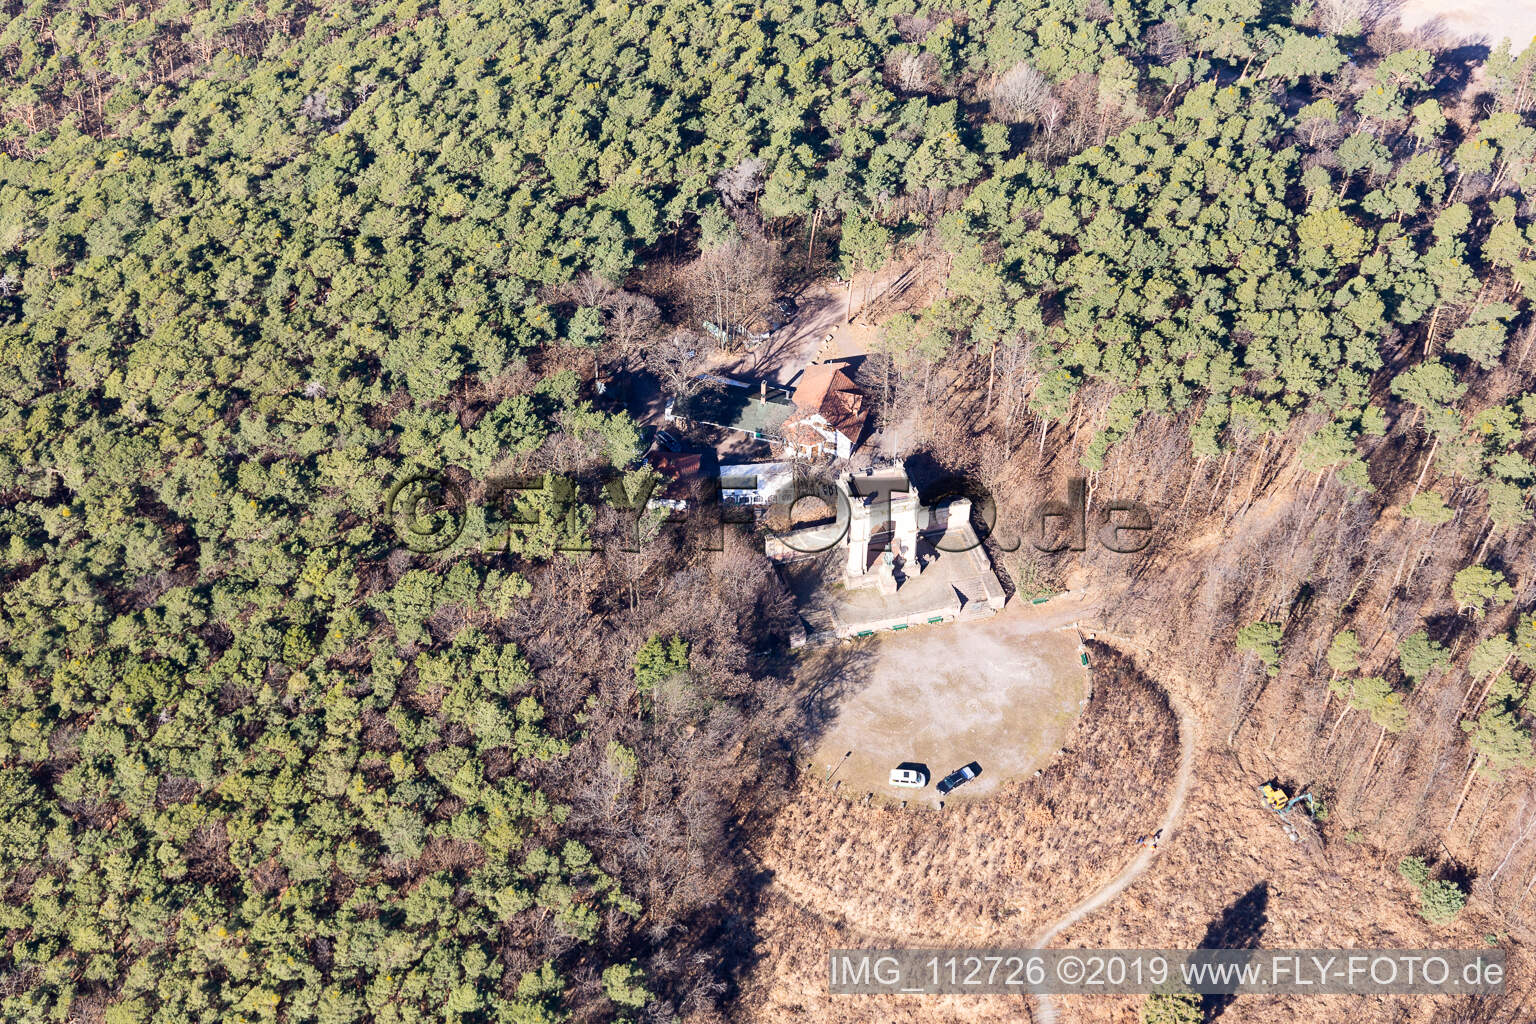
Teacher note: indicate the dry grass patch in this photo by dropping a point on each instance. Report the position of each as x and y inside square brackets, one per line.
[1229, 877]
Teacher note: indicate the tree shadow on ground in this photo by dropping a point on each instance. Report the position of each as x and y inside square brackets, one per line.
[823, 677]
[1454, 68]
[1240, 926]
[844, 669]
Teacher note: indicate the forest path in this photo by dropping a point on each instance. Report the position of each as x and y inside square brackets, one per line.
[1046, 1013]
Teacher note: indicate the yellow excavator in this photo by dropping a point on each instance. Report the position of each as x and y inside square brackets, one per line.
[1277, 800]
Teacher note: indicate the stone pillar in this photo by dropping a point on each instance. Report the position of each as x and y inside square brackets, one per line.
[904, 523]
[858, 539]
[959, 515]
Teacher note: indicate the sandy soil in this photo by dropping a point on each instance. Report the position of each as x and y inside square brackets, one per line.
[1000, 691]
[823, 310]
[1488, 20]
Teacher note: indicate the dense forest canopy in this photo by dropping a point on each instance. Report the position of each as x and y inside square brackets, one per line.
[260, 261]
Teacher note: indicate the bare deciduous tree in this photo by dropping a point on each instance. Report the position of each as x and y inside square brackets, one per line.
[1165, 41]
[677, 359]
[911, 71]
[586, 290]
[1019, 94]
[1342, 17]
[631, 319]
[741, 181]
[732, 285]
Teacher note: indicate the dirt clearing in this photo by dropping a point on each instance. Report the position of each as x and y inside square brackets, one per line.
[1002, 692]
[1488, 20]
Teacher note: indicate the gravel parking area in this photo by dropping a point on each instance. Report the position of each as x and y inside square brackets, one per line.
[1001, 691]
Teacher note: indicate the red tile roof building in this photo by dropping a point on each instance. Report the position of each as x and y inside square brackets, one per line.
[829, 413]
[681, 474]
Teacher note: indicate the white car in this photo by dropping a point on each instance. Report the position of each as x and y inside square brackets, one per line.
[909, 778]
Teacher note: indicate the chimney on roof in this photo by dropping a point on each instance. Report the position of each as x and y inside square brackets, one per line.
[762, 390]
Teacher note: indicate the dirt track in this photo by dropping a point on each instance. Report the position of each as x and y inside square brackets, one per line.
[1133, 870]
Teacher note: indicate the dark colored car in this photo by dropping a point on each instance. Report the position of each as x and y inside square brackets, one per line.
[959, 777]
[647, 438]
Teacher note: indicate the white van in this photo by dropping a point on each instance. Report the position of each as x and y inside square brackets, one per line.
[909, 778]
